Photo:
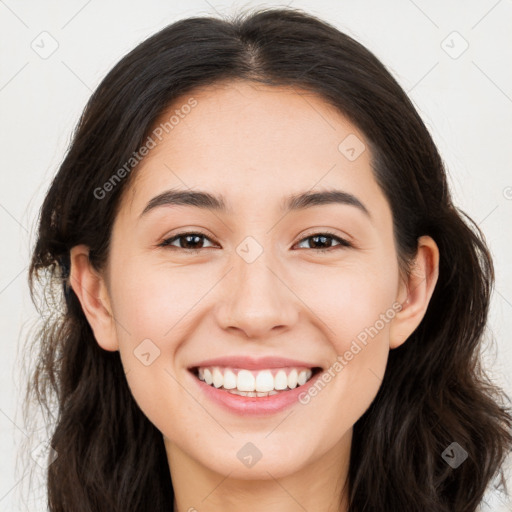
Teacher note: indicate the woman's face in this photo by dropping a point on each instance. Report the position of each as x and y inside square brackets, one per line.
[256, 287]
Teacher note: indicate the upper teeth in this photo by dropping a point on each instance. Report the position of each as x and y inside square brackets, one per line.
[246, 380]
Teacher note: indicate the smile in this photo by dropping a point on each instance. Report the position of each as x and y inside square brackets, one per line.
[255, 383]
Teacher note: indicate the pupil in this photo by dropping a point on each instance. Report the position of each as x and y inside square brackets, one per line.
[319, 237]
[188, 237]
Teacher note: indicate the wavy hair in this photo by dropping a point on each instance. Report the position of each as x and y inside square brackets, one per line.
[434, 392]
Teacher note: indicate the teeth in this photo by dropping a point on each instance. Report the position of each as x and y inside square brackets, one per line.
[251, 393]
[208, 376]
[302, 378]
[218, 379]
[229, 380]
[247, 383]
[292, 379]
[281, 380]
[264, 381]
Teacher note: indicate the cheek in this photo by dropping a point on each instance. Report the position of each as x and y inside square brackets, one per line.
[151, 300]
[355, 306]
[350, 301]
[152, 308]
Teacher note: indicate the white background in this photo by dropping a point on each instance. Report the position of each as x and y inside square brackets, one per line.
[465, 101]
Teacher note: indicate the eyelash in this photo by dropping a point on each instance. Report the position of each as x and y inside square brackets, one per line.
[342, 242]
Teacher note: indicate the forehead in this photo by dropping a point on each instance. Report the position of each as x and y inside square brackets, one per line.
[254, 144]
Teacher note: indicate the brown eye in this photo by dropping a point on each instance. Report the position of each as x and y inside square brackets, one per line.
[187, 241]
[323, 242]
[191, 241]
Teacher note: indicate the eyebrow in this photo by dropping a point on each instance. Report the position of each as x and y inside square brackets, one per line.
[295, 202]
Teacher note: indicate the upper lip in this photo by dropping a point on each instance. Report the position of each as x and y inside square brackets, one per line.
[253, 363]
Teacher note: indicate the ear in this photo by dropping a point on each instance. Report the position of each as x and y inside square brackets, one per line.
[415, 293]
[91, 290]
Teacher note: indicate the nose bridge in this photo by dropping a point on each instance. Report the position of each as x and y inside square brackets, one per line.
[255, 299]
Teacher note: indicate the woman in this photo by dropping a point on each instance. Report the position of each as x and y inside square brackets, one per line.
[321, 351]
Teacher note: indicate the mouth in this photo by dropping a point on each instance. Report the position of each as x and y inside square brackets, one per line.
[255, 383]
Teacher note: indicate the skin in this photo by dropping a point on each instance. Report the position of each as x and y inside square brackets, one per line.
[254, 144]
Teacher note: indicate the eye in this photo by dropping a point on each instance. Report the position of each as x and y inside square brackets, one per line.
[321, 241]
[192, 241]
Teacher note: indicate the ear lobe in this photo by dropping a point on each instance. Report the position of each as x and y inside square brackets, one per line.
[91, 290]
[417, 292]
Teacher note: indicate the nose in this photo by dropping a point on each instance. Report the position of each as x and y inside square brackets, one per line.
[257, 299]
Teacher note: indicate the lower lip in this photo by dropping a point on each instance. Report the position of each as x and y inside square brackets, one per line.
[246, 405]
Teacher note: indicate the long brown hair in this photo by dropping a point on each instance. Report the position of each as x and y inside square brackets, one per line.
[434, 392]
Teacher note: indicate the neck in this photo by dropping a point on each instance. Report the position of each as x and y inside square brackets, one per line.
[319, 485]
